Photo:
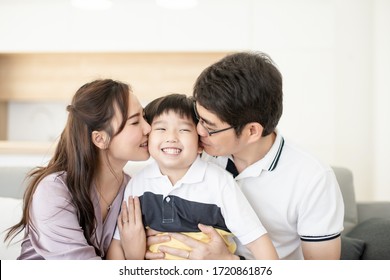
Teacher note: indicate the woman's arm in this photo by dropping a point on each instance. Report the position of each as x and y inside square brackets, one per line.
[115, 251]
[54, 229]
[132, 245]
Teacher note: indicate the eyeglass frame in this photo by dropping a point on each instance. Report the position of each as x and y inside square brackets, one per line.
[202, 123]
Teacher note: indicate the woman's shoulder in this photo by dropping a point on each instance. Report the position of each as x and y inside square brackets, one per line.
[53, 184]
[51, 195]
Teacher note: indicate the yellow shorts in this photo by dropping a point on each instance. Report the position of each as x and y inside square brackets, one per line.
[227, 237]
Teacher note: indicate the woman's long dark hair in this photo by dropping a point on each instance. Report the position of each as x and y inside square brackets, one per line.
[92, 109]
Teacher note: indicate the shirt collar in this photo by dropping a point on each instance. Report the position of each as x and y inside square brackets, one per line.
[268, 162]
[275, 152]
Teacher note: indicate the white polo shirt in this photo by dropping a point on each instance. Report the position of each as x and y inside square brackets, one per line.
[206, 194]
[295, 196]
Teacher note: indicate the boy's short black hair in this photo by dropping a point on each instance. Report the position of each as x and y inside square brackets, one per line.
[178, 103]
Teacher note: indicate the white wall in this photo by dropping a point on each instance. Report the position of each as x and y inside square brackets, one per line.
[381, 100]
[334, 56]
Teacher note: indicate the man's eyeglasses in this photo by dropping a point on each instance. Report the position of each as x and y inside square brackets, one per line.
[202, 122]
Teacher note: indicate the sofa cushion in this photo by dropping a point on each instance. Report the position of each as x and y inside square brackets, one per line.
[351, 248]
[375, 233]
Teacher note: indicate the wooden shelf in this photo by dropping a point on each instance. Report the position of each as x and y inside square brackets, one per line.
[40, 77]
[27, 148]
[57, 76]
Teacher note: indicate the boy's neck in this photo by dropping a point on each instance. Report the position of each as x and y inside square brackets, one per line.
[174, 175]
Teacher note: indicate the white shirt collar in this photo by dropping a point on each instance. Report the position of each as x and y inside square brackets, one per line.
[268, 162]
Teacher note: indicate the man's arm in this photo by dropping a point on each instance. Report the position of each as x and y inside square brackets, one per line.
[151, 239]
[323, 250]
[263, 249]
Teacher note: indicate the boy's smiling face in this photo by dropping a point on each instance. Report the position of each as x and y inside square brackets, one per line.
[173, 142]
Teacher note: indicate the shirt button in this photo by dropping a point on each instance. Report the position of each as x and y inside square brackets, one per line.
[167, 199]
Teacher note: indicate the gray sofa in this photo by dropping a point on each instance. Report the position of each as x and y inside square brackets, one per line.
[366, 232]
[366, 225]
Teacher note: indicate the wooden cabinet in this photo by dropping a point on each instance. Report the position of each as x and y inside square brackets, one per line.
[40, 77]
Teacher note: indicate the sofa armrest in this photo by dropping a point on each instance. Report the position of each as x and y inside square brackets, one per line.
[10, 214]
[13, 180]
[344, 177]
[377, 209]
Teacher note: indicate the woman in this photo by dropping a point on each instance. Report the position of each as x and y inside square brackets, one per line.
[71, 206]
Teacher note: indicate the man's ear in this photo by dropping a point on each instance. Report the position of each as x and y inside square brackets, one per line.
[254, 131]
[100, 139]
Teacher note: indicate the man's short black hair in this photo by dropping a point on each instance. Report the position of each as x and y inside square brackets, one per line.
[241, 88]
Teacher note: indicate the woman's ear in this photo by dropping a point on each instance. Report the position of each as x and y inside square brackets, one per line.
[100, 139]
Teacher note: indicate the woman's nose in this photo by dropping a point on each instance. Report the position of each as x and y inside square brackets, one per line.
[146, 127]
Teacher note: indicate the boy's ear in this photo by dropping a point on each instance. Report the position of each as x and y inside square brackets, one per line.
[254, 131]
[100, 139]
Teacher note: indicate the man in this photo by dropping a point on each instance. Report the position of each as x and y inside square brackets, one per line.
[297, 198]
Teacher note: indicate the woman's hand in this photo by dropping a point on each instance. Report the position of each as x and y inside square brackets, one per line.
[131, 229]
[215, 249]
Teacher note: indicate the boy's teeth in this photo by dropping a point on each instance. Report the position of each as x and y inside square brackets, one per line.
[172, 151]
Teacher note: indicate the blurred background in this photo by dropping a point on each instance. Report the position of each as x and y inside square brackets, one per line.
[334, 56]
